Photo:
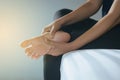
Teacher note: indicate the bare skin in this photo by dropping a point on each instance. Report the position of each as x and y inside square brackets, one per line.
[38, 42]
[86, 10]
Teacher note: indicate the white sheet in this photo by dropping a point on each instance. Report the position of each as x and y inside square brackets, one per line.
[91, 64]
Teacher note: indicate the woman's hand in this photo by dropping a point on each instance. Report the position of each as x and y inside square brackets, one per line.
[58, 48]
[52, 28]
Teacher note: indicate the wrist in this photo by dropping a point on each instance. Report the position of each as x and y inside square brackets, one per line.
[71, 46]
[74, 46]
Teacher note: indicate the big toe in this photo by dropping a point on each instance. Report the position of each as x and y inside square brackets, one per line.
[25, 44]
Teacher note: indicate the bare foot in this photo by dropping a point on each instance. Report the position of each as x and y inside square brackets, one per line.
[37, 44]
[34, 45]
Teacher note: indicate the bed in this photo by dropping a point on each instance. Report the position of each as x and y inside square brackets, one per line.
[91, 64]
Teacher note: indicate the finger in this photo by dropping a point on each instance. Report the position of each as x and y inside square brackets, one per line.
[52, 32]
[47, 29]
[43, 32]
[29, 51]
[25, 44]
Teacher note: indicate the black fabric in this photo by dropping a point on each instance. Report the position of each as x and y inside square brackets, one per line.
[106, 6]
[52, 67]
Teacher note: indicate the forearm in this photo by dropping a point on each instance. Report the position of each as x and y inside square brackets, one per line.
[101, 27]
[93, 33]
[84, 11]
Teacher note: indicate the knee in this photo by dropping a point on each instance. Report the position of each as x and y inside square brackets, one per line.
[61, 13]
[61, 36]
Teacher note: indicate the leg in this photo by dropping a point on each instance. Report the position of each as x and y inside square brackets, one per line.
[61, 36]
[52, 63]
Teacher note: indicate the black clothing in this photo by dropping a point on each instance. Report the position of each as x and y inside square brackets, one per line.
[106, 6]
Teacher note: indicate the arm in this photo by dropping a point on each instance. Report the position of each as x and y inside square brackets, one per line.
[86, 10]
[102, 26]
[89, 8]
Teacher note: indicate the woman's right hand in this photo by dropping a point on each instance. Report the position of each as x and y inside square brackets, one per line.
[52, 28]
